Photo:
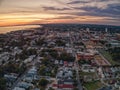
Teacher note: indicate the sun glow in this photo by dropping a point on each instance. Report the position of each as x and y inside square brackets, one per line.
[7, 20]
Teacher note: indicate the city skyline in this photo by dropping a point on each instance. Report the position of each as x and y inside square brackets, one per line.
[20, 12]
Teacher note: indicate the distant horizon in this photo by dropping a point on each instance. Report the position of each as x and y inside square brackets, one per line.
[60, 23]
[6, 29]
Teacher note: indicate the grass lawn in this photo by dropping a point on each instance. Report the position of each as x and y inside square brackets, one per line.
[86, 73]
[108, 57]
[93, 85]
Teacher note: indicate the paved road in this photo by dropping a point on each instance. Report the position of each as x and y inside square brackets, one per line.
[106, 61]
[78, 78]
[18, 80]
[76, 63]
[22, 76]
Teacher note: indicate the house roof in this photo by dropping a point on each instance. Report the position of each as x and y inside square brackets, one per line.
[17, 88]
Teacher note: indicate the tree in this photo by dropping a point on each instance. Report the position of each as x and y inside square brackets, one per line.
[32, 52]
[43, 82]
[45, 61]
[2, 84]
[60, 43]
[40, 42]
[51, 88]
[75, 89]
[11, 67]
[42, 70]
[1, 72]
[3, 61]
[103, 42]
[53, 53]
[115, 53]
[22, 68]
[42, 88]
[66, 57]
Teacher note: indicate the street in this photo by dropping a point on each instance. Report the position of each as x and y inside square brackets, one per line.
[76, 63]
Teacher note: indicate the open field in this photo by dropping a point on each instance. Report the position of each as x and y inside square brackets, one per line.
[93, 85]
[108, 57]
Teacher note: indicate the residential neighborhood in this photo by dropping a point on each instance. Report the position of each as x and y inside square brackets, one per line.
[60, 57]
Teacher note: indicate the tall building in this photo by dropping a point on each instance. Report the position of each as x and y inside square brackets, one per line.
[106, 30]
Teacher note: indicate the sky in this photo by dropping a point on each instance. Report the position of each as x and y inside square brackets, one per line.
[19, 12]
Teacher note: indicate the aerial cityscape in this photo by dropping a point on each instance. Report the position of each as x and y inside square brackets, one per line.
[59, 45]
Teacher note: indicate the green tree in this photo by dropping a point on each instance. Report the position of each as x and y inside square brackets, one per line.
[115, 53]
[32, 52]
[54, 54]
[66, 57]
[60, 43]
[40, 42]
[42, 70]
[43, 82]
[2, 84]
[51, 88]
[75, 89]
[1, 72]
[45, 61]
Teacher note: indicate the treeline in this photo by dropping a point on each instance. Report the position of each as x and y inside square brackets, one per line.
[115, 53]
[111, 29]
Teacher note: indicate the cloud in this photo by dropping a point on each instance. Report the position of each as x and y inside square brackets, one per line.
[1, 2]
[63, 9]
[54, 8]
[112, 10]
[104, 0]
[65, 17]
[87, 1]
[77, 2]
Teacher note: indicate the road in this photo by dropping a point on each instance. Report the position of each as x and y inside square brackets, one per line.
[106, 61]
[77, 76]
[76, 62]
[18, 80]
[22, 76]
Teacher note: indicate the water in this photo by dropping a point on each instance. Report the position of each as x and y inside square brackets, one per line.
[15, 28]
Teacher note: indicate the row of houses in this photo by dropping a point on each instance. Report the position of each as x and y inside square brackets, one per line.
[111, 72]
[111, 75]
[26, 82]
[64, 63]
[64, 79]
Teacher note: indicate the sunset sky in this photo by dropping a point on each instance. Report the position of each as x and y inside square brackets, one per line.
[17, 12]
